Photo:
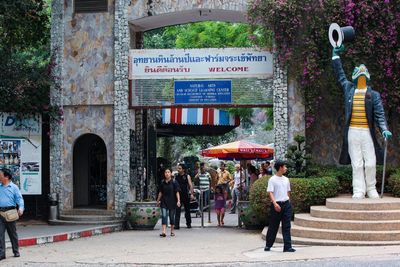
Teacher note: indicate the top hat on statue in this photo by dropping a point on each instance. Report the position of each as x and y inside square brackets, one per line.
[339, 35]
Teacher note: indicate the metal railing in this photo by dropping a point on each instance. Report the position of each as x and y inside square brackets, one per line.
[205, 194]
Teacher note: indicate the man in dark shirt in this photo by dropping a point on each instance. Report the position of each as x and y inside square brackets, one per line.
[186, 187]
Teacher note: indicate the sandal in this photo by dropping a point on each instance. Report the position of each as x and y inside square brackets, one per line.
[163, 235]
[172, 234]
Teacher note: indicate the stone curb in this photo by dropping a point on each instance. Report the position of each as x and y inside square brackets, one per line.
[32, 241]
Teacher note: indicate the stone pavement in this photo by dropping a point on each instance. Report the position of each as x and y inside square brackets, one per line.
[39, 232]
[210, 246]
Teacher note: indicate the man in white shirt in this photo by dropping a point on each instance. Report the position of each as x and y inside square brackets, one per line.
[281, 208]
[238, 179]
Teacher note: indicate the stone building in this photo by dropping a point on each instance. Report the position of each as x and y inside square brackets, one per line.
[91, 150]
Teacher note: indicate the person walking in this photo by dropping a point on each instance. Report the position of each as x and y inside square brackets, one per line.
[186, 193]
[204, 179]
[224, 178]
[220, 204]
[239, 182]
[10, 199]
[168, 199]
[281, 208]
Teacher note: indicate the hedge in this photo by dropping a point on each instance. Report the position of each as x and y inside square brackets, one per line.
[394, 183]
[344, 175]
[305, 193]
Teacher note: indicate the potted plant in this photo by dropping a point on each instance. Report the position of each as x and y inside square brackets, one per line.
[142, 213]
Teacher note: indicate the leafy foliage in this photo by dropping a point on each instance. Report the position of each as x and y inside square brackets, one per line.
[297, 156]
[304, 194]
[23, 24]
[344, 175]
[301, 40]
[259, 199]
[394, 183]
[312, 191]
[24, 50]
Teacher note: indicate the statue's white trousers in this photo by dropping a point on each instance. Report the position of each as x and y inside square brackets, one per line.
[363, 160]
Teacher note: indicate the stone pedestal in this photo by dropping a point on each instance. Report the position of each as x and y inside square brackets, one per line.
[349, 222]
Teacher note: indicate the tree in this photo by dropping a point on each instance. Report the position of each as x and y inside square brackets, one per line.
[24, 50]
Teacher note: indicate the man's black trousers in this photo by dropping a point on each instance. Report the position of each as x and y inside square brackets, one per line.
[185, 202]
[283, 216]
[11, 228]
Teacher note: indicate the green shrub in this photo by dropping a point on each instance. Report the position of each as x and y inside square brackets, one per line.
[259, 199]
[344, 174]
[305, 193]
[394, 183]
[249, 217]
[311, 191]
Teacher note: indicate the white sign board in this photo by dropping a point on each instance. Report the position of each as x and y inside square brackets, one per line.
[21, 151]
[200, 63]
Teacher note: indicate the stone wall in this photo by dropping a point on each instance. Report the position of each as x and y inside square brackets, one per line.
[296, 112]
[82, 45]
[56, 136]
[281, 120]
[87, 120]
[143, 8]
[88, 57]
[121, 112]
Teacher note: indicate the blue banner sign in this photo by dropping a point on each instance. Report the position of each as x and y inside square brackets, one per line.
[203, 92]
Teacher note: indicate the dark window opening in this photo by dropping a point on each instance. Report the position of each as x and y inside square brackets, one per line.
[88, 6]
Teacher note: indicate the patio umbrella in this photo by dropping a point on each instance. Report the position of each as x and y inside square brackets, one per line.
[239, 150]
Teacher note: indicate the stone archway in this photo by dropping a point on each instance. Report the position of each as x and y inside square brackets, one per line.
[91, 65]
[90, 172]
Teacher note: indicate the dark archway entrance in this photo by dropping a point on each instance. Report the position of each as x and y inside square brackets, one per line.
[90, 172]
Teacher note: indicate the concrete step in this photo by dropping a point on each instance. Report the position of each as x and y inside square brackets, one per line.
[87, 218]
[330, 234]
[78, 211]
[64, 222]
[343, 214]
[306, 220]
[327, 242]
[345, 202]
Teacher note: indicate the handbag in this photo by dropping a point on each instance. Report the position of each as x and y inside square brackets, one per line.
[10, 215]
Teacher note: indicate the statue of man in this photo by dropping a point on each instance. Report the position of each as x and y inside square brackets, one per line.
[363, 108]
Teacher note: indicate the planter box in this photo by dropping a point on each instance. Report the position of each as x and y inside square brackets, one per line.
[142, 215]
[248, 217]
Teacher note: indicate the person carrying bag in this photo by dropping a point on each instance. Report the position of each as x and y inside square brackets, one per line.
[11, 208]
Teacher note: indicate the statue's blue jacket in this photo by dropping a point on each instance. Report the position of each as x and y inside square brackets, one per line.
[373, 108]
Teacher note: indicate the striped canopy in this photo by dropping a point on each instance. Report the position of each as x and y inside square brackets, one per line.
[199, 116]
[239, 150]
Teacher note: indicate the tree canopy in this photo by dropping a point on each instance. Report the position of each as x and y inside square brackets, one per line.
[25, 53]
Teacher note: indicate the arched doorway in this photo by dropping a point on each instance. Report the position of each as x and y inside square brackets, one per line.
[90, 172]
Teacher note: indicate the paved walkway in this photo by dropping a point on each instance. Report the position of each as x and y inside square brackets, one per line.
[39, 232]
[210, 246]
